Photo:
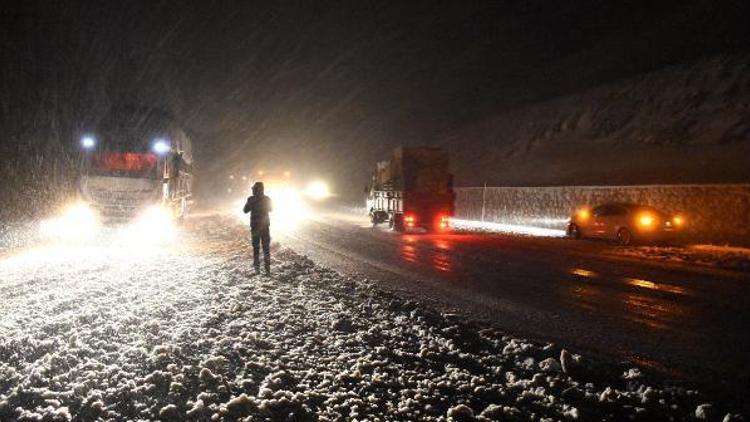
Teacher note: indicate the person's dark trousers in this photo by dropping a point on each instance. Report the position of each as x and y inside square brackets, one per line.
[262, 237]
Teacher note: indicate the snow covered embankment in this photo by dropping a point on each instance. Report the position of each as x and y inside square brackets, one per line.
[193, 335]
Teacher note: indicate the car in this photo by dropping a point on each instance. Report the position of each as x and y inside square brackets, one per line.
[625, 223]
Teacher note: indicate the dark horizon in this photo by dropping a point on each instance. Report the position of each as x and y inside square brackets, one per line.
[324, 87]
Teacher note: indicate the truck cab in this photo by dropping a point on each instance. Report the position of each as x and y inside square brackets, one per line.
[136, 158]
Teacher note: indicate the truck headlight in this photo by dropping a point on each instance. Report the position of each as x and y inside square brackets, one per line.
[77, 222]
[161, 146]
[88, 142]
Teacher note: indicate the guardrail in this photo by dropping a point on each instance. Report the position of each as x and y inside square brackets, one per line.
[716, 213]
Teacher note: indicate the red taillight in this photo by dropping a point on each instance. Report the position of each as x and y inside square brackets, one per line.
[410, 220]
[444, 222]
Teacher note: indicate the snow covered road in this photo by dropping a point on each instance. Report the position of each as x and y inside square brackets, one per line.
[122, 331]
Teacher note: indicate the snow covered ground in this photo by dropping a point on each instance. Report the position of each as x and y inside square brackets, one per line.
[139, 332]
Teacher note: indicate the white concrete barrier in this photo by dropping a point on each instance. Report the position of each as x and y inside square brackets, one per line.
[714, 213]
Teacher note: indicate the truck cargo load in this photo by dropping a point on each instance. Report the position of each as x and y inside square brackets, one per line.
[414, 189]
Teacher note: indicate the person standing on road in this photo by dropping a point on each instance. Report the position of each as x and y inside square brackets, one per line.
[259, 206]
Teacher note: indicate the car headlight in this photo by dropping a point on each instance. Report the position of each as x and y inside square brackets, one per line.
[646, 220]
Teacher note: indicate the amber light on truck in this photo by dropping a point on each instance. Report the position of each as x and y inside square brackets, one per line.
[444, 222]
[410, 220]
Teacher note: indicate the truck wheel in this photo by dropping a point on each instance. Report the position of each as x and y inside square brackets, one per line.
[396, 223]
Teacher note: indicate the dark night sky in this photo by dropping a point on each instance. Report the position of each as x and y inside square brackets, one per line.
[325, 87]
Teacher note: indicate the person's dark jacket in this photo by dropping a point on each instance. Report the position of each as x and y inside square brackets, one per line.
[258, 206]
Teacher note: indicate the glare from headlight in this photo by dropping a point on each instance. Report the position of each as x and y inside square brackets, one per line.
[646, 220]
[77, 222]
[153, 224]
[317, 190]
[161, 146]
[88, 142]
[289, 208]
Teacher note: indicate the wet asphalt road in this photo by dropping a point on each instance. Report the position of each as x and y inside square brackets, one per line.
[687, 322]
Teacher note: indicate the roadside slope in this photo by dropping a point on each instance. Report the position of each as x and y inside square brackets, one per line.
[682, 124]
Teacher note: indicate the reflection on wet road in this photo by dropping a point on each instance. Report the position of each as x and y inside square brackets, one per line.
[633, 298]
[583, 272]
[552, 288]
[652, 312]
[656, 286]
[423, 250]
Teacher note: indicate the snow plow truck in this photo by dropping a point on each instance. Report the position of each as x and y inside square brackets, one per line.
[412, 191]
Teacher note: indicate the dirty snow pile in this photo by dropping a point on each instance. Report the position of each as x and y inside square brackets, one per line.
[192, 333]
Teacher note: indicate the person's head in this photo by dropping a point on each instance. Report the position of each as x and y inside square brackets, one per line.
[258, 188]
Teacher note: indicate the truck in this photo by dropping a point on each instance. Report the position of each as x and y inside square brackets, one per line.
[413, 190]
[138, 157]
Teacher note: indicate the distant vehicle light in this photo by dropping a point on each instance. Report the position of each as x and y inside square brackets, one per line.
[161, 146]
[88, 142]
[260, 172]
[289, 207]
[410, 220]
[646, 220]
[317, 190]
[678, 221]
[287, 173]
